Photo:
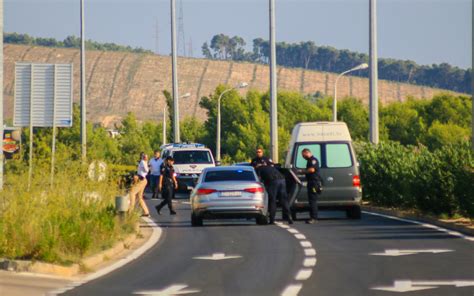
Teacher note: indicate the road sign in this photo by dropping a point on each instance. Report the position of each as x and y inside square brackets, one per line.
[171, 290]
[410, 286]
[217, 257]
[43, 93]
[395, 253]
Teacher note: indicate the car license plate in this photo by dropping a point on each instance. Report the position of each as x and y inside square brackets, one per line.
[230, 193]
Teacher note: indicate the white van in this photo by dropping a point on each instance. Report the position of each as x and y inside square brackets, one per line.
[331, 144]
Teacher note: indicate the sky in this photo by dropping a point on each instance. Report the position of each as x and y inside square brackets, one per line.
[425, 31]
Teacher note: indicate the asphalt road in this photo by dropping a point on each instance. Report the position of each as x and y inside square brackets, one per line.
[333, 257]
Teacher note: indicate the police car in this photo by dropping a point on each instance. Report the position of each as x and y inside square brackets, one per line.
[189, 161]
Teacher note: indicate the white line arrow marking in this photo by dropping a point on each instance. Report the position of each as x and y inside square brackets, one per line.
[217, 256]
[409, 286]
[168, 291]
[409, 252]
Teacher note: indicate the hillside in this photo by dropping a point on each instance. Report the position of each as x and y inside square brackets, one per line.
[121, 82]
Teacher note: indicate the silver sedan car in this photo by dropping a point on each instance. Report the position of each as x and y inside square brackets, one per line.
[229, 192]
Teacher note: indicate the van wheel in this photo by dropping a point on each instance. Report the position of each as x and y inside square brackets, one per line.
[354, 213]
[293, 215]
[196, 221]
[262, 220]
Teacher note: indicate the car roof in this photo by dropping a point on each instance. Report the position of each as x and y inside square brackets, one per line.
[229, 168]
[187, 149]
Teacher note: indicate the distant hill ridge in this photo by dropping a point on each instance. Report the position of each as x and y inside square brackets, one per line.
[121, 82]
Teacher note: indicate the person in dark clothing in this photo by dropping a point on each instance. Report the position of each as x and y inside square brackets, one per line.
[313, 181]
[276, 187]
[167, 185]
[261, 160]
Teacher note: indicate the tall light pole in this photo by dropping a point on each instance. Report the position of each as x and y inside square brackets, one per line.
[472, 76]
[83, 89]
[273, 87]
[218, 132]
[1, 94]
[334, 103]
[176, 136]
[374, 100]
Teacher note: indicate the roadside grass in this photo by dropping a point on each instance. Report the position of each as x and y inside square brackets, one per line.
[63, 222]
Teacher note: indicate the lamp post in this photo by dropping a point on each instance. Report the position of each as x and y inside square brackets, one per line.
[1, 94]
[273, 86]
[83, 88]
[374, 76]
[334, 104]
[218, 135]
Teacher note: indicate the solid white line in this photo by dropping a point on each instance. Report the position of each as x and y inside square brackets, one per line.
[426, 225]
[309, 262]
[303, 274]
[300, 236]
[154, 238]
[292, 290]
[310, 252]
[306, 244]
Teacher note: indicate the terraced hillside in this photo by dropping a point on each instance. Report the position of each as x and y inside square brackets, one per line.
[119, 82]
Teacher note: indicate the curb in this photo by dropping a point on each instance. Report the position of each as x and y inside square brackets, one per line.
[400, 214]
[74, 269]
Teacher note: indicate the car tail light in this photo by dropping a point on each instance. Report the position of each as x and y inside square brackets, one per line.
[356, 181]
[205, 191]
[254, 190]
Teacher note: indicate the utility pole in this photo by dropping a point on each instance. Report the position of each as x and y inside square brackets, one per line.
[83, 89]
[273, 87]
[176, 136]
[374, 100]
[1, 94]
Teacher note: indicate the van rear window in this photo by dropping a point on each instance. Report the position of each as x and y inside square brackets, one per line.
[338, 156]
[314, 148]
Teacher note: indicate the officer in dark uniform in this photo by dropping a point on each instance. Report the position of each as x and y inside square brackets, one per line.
[275, 184]
[167, 185]
[314, 183]
[261, 160]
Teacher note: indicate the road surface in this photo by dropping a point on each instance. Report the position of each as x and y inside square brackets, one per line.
[372, 256]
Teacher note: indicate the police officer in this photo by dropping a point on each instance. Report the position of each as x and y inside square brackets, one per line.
[314, 182]
[261, 160]
[275, 184]
[167, 185]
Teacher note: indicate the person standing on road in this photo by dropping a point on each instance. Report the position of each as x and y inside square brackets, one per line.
[314, 184]
[261, 160]
[167, 185]
[275, 184]
[155, 171]
[139, 184]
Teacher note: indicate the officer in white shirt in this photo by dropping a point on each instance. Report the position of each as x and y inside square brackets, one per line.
[155, 171]
[138, 187]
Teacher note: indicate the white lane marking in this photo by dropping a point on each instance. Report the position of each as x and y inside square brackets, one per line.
[310, 252]
[292, 230]
[309, 262]
[426, 225]
[306, 244]
[303, 274]
[300, 236]
[292, 290]
[409, 286]
[170, 290]
[217, 256]
[395, 253]
[154, 238]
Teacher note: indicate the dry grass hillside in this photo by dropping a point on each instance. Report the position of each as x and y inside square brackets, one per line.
[120, 82]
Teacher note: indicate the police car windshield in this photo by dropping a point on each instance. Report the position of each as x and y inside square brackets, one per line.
[230, 175]
[190, 157]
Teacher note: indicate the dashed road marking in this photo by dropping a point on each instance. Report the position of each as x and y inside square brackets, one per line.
[292, 290]
[300, 236]
[310, 252]
[303, 274]
[292, 230]
[306, 244]
[309, 262]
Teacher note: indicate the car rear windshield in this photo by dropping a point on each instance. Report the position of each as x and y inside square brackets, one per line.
[185, 157]
[230, 175]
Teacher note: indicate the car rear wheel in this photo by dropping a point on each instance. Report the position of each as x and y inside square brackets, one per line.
[196, 221]
[354, 213]
[262, 220]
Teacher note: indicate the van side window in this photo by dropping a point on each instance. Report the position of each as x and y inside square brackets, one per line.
[338, 156]
[300, 162]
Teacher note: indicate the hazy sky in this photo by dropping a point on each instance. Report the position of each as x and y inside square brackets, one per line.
[426, 31]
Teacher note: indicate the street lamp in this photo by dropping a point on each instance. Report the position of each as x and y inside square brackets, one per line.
[334, 105]
[218, 141]
[186, 95]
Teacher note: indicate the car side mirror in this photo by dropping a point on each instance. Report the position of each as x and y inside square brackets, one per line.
[218, 163]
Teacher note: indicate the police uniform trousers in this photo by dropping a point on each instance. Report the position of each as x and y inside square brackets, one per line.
[167, 193]
[277, 190]
[313, 200]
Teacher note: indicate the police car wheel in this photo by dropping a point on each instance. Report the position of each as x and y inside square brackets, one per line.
[196, 221]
